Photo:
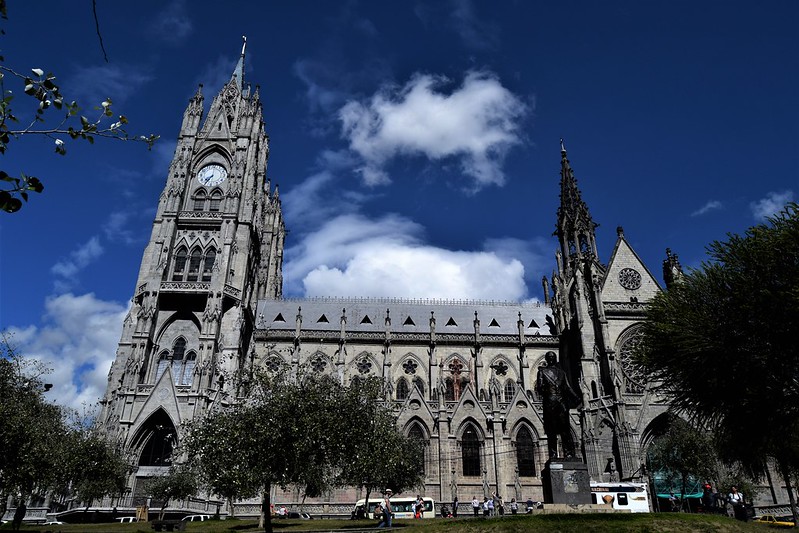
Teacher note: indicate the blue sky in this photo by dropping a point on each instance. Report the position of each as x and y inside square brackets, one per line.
[415, 144]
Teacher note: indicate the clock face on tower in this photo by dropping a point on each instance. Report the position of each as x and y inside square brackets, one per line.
[212, 175]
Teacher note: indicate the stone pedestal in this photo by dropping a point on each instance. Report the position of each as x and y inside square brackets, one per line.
[566, 482]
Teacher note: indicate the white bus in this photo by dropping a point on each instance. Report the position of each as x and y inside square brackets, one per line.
[403, 507]
[621, 495]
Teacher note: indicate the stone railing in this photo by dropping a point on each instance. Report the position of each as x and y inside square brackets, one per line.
[191, 286]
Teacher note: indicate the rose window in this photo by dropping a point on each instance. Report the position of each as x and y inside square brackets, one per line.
[410, 366]
[318, 364]
[364, 365]
[501, 368]
[273, 364]
[455, 367]
[629, 278]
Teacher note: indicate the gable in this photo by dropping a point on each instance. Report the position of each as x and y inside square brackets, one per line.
[627, 278]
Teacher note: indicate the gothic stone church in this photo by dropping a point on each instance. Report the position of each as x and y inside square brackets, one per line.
[208, 307]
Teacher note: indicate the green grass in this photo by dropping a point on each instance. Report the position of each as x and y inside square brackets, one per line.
[566, 523]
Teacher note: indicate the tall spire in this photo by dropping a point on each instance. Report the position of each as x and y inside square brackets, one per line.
[575, 227]
[238, 73]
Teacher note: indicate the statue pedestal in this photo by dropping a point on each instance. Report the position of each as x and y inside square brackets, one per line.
[566, 482]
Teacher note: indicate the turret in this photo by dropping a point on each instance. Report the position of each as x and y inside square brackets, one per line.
[672, 269]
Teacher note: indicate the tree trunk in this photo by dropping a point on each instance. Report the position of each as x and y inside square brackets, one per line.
[231, 507]
[366, 505]
[786, 474]
[267, 508]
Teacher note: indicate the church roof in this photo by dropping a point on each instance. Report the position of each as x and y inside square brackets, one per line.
[406, 315]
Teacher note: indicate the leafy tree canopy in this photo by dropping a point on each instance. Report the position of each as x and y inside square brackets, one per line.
[721, 343]
[305, 431]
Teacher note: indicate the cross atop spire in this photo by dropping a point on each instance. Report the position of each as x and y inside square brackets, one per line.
[238, 73]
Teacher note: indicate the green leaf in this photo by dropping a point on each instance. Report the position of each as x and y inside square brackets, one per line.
[8, 203]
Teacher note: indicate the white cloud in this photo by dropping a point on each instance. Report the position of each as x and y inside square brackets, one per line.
[91, 85]
[78, 259]
[352, 255]
[773, 203]
[172, 24]
[77, 339]
[712, 205]
[473, 30]
[477, 124]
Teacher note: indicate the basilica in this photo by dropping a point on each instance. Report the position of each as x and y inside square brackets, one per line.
[460, 375]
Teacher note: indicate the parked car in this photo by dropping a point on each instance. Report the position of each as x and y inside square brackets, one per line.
[773, 521]
[126, 519]
[298, 515]
[196, 518]
[54, 523]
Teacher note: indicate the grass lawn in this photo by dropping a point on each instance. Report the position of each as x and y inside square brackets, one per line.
[567, 523]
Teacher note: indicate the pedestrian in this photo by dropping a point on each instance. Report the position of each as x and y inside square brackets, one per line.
[19, 516]
[485, 506]
[514, 506]
[530, 505]
[491, 508]
[418, 506]
[475, 506]
[674, 503]
[387, 511]
[736, 499]
[455, 507]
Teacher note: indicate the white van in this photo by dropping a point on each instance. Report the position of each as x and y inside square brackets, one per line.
[126, 519]
[625, 496]
[196, 518]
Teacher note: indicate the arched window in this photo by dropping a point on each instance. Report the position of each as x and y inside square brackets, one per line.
[163, 362]
[525, 452]
[402, 389]
[178, 349]
[180, 265]
[419, 384]
[158, 436]
[449, 391]
[183, 375]
[510, 389]
[199, 200]
[208, 264]
[194, 265]
[216, 201]
[417, 434]
[470, 448]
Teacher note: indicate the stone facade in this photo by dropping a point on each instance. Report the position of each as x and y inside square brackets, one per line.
[208, 308]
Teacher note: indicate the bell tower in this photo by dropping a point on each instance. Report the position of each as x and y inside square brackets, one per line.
[216, 247]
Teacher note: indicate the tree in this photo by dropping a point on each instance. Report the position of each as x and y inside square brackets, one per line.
[684, 451]
[70, 125]
[31, 430]
[96, 468]
[178, 484]
[381, 456]
[721, 344]
[307, 432]
[47, 448]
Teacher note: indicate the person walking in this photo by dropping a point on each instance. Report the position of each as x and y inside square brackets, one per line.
[455, 507]
[475, 506]
[387, 511]
[514, 506]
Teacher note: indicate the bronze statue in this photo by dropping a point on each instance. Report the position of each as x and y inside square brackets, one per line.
[558, 396]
